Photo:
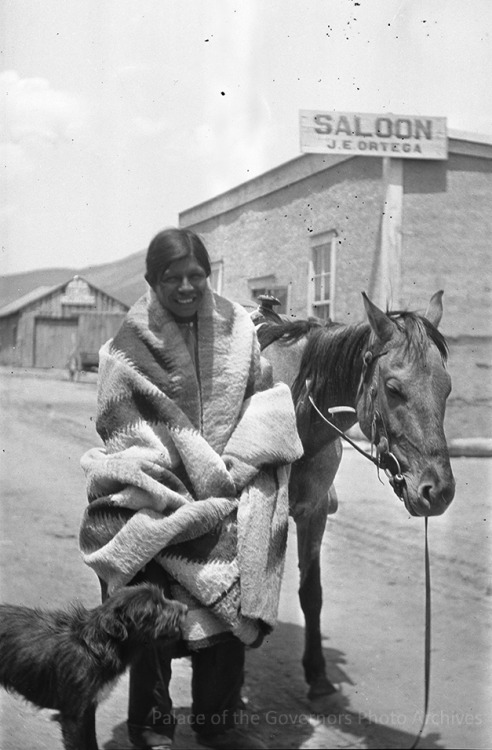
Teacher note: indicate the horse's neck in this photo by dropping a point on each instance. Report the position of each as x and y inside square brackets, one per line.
[332, 362]
[343, 364]
[342, 391]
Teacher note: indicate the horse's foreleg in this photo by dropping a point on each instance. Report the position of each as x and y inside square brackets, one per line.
[312, 497]
[309, 536]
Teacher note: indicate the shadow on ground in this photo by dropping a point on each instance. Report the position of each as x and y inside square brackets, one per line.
[276, 690]
[277, 709]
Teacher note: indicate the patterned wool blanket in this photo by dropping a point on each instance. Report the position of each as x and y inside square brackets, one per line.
[194, 468]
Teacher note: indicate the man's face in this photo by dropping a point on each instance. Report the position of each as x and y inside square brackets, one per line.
[180, 288]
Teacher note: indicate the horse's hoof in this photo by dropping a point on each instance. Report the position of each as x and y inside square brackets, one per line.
[328, 705]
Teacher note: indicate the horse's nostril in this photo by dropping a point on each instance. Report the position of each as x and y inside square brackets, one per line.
[435, 496]
[426, 492]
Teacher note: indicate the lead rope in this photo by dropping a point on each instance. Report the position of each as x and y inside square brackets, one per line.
[427, 638]
[399, 478]
[427, 649]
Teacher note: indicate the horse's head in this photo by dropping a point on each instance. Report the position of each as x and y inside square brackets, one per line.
[401, 403]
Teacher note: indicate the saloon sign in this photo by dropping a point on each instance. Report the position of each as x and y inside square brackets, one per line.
[356, 134]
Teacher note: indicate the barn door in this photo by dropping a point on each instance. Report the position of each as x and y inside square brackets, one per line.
[54, 340]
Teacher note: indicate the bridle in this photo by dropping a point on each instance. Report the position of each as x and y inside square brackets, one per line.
[379, 434]
[380, 445]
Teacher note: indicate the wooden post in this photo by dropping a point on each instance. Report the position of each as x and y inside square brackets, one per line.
[385, 284]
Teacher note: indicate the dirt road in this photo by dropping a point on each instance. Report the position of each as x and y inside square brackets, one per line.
[373, 582]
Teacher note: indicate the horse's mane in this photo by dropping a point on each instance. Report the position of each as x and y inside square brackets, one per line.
[418, 331]
[333, 351]
[332, 355]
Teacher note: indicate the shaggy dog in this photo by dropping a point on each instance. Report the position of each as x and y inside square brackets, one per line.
[65, 660]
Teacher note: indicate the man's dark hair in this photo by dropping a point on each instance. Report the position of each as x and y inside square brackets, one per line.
[170, 245]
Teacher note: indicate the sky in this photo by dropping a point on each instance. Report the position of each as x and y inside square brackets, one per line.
[119, 114]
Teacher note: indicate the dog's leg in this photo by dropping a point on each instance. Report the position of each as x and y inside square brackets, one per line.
[89, 728]
[70, 733]
[79, 733]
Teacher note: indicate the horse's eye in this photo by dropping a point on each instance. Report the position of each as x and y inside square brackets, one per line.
[394, 389]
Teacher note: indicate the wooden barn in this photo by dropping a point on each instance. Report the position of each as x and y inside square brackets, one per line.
[51, 326]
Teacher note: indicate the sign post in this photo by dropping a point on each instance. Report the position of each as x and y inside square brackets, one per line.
[392, 138]
[385, 281]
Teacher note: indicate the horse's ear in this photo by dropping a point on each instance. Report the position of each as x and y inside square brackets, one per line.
[434, 309]
[380, 323]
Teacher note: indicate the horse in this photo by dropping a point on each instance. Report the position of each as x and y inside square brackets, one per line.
[387, 373]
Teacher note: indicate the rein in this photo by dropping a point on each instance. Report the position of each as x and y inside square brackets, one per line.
[383, 460]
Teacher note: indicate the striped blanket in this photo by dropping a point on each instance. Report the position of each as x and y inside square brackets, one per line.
[194, 468]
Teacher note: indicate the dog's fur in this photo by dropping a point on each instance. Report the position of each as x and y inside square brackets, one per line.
[64, 660]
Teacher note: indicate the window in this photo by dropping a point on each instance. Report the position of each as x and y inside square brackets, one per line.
[269, 285]
[216, 277]
[280, 292]
[322, 287]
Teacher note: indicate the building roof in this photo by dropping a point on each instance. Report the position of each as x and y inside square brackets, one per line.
[33, 296]
[45, 291]
[480, 139]
[305, 165]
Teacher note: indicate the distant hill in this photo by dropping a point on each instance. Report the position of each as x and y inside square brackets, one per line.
[123, 279]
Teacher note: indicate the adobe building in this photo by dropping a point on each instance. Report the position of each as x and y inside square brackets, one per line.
[313, 230]
[47, 326]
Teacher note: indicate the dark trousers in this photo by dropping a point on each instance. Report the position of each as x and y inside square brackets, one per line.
[217, 679]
